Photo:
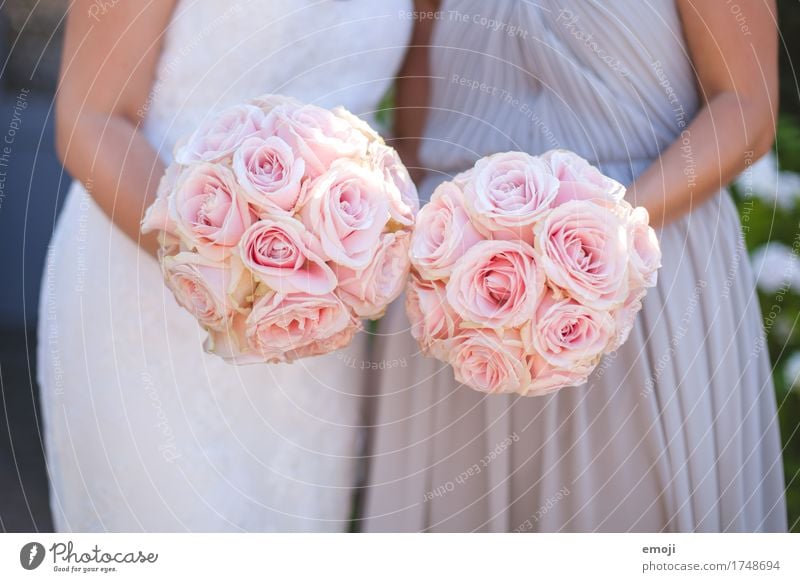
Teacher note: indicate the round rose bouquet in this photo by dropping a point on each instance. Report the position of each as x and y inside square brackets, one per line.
[526, 270]
[281, 226]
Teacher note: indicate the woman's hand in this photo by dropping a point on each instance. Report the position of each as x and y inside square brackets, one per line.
[107, 72]
[737, 77]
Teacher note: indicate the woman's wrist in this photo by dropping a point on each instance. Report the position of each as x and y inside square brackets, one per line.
[408, 151]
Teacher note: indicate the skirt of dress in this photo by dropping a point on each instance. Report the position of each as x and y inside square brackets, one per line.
[676, 431]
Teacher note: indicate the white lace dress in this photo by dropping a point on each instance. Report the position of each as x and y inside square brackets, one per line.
[145, 432]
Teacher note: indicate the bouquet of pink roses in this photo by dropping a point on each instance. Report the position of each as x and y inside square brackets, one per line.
[281, 225]
[526, 270]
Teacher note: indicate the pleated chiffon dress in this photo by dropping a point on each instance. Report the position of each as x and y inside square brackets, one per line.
[677, 430]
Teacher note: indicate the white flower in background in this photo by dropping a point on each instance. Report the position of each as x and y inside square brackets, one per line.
[764, 180]
[775, 265]
[782, 328]
[760, 178]
[791, 371]
[788, 189]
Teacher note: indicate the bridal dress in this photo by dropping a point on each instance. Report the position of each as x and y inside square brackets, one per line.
[144, 431]
[677, 430]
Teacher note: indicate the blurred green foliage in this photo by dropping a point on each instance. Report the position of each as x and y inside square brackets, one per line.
[767, 223]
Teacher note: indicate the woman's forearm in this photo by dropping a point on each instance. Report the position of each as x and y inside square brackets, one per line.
[411, 107]
[710, 152]
[119, 168]
[107, 74]
[412, 89]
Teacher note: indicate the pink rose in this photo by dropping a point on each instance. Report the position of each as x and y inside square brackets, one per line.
[432, 319]
[566, 333]
[443, 233]
[317, 135]
[489, 363]
[269, 174]
[218, 136]
[212, 292]
[585, 252]
[370, 290]
[285, 256]
[347, 208]
[496, 284]
[402, 191]
[282, 328]
[157, 217]
[209, 211]
[645, 251]
[510, 191]
[546, 378]
[579, 180]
